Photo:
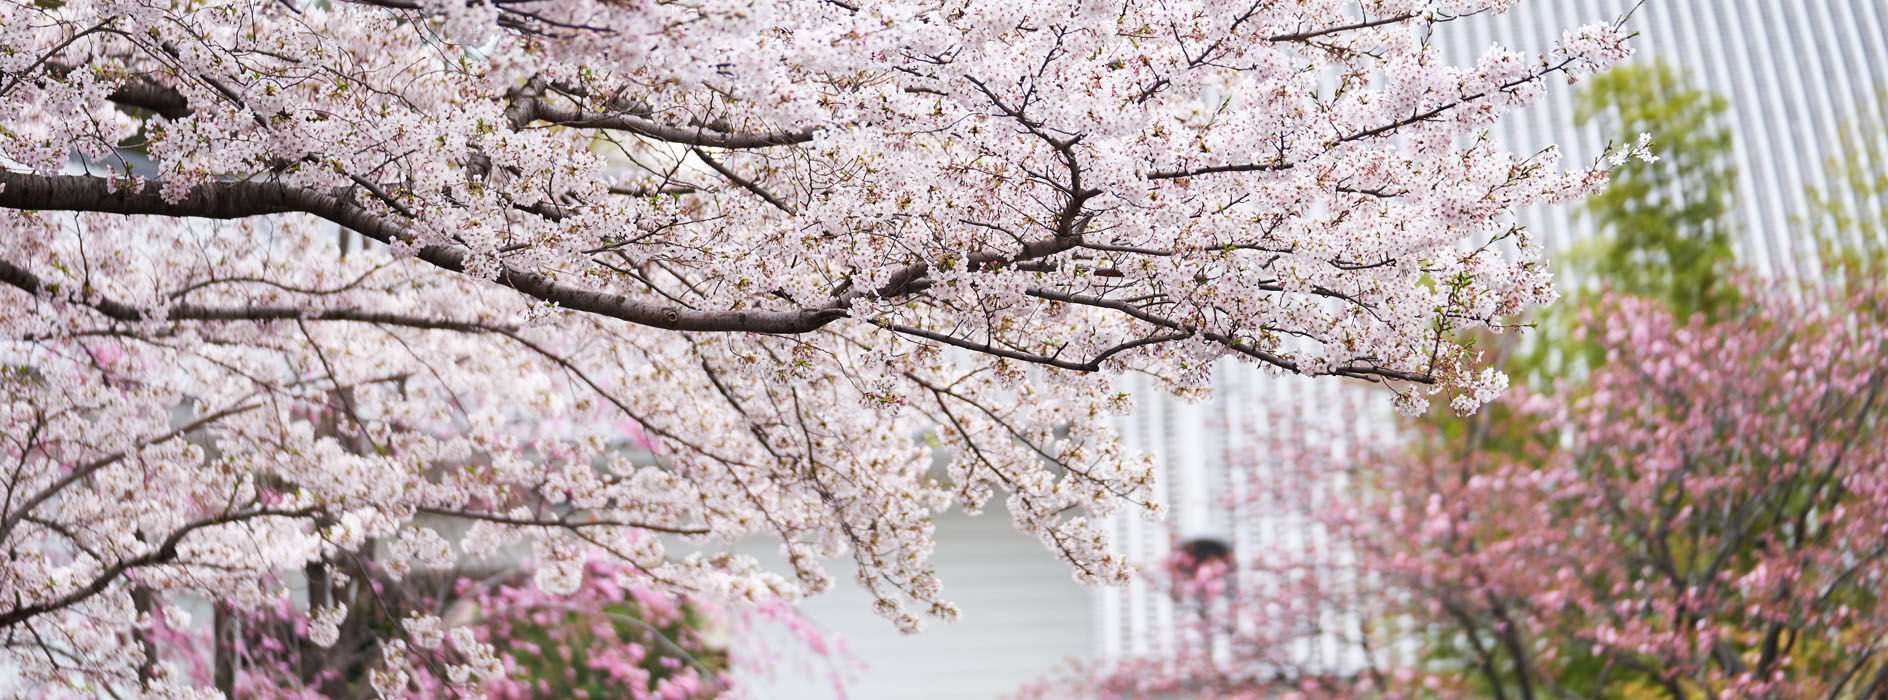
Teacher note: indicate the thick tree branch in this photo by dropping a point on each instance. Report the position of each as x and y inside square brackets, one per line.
[25, 280]
[147, 94]
[702, 137]
[234, 200]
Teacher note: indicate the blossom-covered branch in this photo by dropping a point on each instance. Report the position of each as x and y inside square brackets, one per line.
[700, 269]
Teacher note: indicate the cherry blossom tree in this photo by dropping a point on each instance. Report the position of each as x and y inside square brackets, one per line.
[1703, 516]
[774, 242]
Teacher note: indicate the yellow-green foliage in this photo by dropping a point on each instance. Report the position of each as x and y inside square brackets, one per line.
[1666, 233]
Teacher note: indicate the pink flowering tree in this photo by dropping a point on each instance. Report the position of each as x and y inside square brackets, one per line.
[775, 241]
[1705, 515]
[607, 639]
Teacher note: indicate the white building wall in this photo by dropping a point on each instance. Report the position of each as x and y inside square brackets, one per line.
[1195, 443]
[1023, 614]
[1796, 73]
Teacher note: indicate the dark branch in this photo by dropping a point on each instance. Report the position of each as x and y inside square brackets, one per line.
[1373, 132]
[691, 136]
[234, 200]
[560, 522]
[165, 552]
[25, 280]
[1371, 372]
[26, 507]
[1315, 33]
[1092, 365]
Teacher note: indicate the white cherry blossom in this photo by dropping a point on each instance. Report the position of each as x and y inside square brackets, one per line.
[646, 277]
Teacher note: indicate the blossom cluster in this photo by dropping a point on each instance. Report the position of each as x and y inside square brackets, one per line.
[284, 277]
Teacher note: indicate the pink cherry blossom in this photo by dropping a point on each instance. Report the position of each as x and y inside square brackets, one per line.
[1704, 515]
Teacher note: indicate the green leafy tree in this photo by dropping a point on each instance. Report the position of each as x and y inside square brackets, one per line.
[1849, 218]
[1665, 224]
[1665, 230]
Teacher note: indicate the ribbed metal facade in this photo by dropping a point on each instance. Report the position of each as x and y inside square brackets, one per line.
[1796, 74]
[1195, 443]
